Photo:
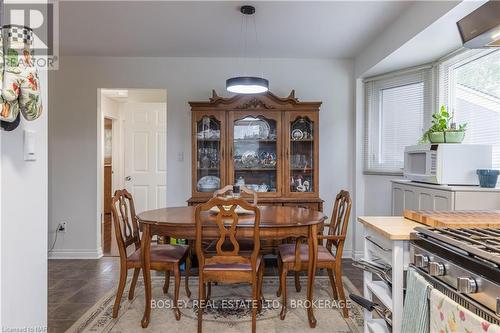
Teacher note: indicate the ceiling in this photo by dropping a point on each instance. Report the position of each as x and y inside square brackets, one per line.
[292, 29]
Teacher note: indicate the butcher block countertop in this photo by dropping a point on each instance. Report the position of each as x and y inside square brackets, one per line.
[391, 227]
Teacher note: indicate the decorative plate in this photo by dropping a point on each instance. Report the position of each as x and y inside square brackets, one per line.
[297, 134]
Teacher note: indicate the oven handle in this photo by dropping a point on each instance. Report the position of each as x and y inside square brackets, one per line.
[369, 238]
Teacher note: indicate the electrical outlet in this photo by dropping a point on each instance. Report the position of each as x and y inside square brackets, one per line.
[63, 227]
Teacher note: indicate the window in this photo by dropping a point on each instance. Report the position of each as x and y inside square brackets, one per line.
[396, 110]
[469, 83]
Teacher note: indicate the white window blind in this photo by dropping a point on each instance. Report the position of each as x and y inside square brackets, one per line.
[396, 109]
[469, 83]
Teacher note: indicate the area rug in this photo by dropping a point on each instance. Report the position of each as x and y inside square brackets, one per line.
[227, 312]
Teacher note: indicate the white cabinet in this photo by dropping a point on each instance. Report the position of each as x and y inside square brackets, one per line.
[419, 196]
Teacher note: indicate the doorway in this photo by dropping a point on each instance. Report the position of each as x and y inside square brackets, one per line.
[132, 154]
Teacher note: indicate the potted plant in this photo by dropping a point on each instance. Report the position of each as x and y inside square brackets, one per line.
[443, 129]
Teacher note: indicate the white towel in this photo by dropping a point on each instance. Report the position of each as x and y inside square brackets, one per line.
[449, 316]
[416, 306]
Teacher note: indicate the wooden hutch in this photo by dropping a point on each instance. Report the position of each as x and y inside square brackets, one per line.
[269, 143]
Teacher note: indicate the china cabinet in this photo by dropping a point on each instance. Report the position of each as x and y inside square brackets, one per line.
[269, 144]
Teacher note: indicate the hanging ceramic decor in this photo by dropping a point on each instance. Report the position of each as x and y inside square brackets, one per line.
[21, 80]
[20, 84]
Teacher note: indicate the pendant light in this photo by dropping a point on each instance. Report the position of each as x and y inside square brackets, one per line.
[247, 84]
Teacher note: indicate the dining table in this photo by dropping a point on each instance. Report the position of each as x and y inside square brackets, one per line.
[276, 222]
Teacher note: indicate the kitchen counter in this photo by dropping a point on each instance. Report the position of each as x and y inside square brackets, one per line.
[387, 240]
[455, 188]
[391, 227]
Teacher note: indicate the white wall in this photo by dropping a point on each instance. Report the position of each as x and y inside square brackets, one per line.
[73, 126]
[23, 225]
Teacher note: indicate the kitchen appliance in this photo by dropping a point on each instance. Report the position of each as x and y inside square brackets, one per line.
[463, 264]
[446, 163]
[481, 28]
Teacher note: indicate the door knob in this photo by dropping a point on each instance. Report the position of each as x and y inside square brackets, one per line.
[128, 178]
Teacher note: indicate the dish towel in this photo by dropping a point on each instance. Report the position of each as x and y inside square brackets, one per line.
[448, 316]
[416, 306]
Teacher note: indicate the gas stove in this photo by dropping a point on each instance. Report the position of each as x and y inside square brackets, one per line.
[463, 263]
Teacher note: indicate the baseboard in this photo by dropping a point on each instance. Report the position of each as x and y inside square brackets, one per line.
[76, 254]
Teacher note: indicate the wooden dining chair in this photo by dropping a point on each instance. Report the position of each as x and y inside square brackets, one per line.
[165, 257]
[228, 265]
[295, 257]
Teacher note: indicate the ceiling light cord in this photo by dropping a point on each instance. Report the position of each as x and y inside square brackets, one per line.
[259, 55]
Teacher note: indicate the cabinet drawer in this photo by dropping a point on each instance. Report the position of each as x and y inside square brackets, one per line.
[309, 205]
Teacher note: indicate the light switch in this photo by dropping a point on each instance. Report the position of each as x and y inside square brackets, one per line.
[29, 145]
[180, 156]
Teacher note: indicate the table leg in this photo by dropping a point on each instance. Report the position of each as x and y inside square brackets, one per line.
[313, 256]
[146, 267]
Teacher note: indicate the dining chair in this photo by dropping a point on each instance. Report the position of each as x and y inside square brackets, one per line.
[165, 257]
[295, 257]
[246, 245]
[228, 265]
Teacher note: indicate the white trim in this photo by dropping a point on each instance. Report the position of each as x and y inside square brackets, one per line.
[76, 254]
[397, 73]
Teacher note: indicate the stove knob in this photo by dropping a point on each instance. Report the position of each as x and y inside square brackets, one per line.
[436, 269]
[421, 260]
[466, 285]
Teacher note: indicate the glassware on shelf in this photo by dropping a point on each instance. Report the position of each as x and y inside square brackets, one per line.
[254, 152]
[208, 154]
[301, 155]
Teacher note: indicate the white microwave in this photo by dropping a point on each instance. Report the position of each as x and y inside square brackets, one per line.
[446, 163]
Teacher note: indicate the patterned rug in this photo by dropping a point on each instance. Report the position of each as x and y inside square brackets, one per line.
[228, 311]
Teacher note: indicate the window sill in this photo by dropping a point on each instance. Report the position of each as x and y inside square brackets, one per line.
[383, 173]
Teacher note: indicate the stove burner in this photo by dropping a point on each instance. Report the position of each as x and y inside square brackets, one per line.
[483, 243]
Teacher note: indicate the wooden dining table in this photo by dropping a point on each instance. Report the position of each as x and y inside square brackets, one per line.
[276, 222]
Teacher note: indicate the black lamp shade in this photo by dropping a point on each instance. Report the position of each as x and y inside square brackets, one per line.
[247, 85]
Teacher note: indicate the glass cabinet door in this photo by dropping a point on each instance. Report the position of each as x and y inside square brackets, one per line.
[208, 133]
[256, 151]
[302, 154]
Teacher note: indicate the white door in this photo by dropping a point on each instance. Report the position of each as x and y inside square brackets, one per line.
[145, 154]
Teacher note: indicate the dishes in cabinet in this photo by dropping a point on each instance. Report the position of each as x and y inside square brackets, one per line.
[251, 128]
[208, 134]
[208, 184]
[267, 159]
[249, 159]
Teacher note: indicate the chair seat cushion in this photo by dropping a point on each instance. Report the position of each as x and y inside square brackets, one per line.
[162, 253]
[287, 253]
[232, 267]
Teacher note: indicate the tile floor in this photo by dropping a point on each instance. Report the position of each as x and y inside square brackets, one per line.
[76, 285]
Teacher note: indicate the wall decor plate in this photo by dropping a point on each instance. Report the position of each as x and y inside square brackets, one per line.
[297, 134]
